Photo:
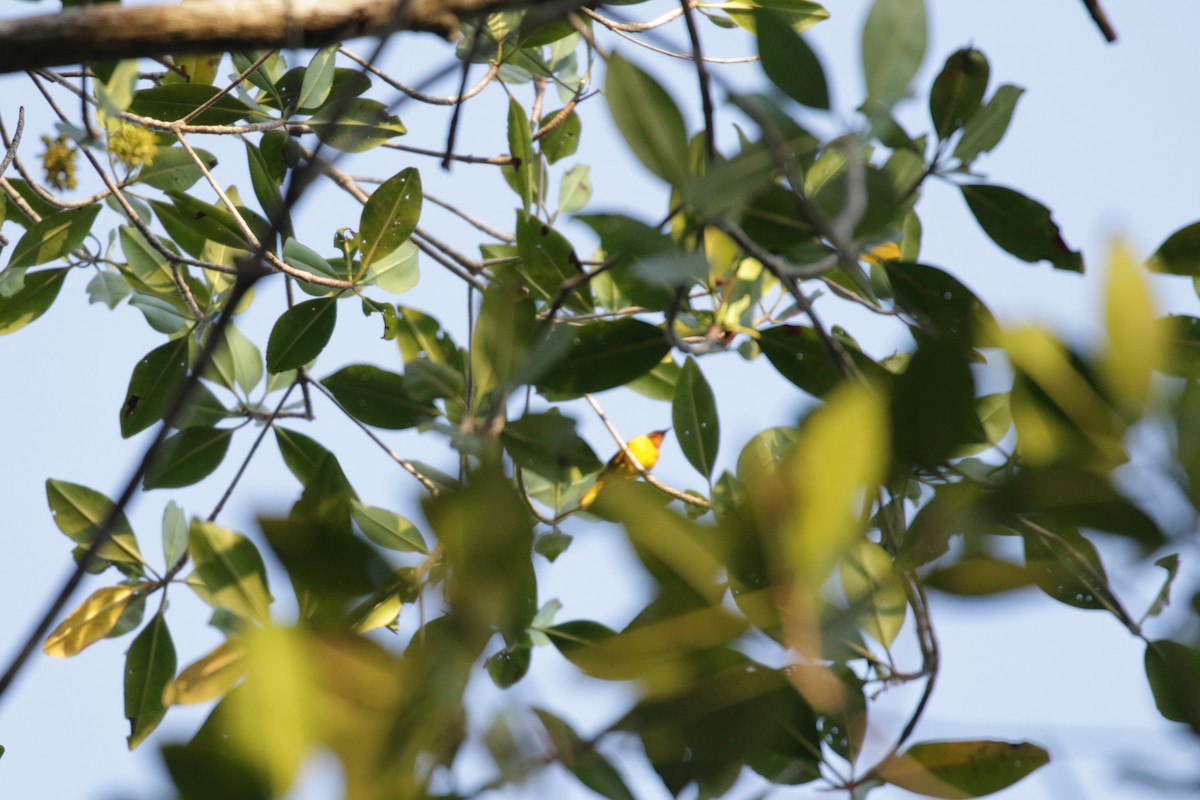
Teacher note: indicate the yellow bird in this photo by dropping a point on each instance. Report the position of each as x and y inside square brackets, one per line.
[644, 448]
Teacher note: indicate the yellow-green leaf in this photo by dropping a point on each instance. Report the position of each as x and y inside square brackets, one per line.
[874, 592]
[1134, 338]
[229, 571]
[955, 770]
[210, 677]
[272, 714]
[88, 623]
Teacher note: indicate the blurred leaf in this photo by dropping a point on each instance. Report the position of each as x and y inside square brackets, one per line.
[506, 667]
[187, 457]
[984, 130]
[1181, 336]
[961, 769]
[872, 587]
[939, 304]
[149, 668]
[1161, 600]
[90, 622]
[605, 354]
[659, 383]
[377, 397]
[390, 215]
[798, 354]
[648, 119]
[799, 14]
[388, 529]
[79, 512]
[1020, 225]
[210, 677]
[229, 573]
[548, 445]
[893, 47]
[789, 62]
[154, 386]
[174, 534]
[933, 406]
[980, 576]
[273, 718]
[1135, 342]
[694, 418]
[1173, 670]
[300, 334]
[591, 768]
[958, 91]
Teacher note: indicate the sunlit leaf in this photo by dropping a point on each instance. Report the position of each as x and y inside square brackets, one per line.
[962, 769]
[229, 572]
[79, 512]
[210, 677]
[33, 299]
[90, 622]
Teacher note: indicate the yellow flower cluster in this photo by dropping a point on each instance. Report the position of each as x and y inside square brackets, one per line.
[59, 163]
[132, 146]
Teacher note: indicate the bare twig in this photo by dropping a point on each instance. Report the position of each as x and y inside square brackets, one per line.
[684, 497]
[11, 147]
[269, 425]
[1101, 19]
[418, 95]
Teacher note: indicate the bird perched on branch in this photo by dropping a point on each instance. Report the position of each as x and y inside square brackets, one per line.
[644, 448]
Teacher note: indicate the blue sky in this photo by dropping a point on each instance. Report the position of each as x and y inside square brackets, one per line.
[1104, 135]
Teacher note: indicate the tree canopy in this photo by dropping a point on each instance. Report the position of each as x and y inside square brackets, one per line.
[788, 594]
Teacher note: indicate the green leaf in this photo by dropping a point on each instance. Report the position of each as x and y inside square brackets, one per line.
[1180, 253]
[694, 418]
[799, 354]
[229, 573]
[1020, 225]
[174, 534]
[174, 169]
[789, 62]
[107, 287]
[547, 261]
[236, 362]
[302, 454]
[32, 300]
[149, 667]
[874, 591]
[214, 223]
[962, 769]
[648, 119]
[1161, 600]
[388, 529]
[800, 14]
[586, 763]
[938, 303]
[175, 101]
[547, 445]
[574, 189]
[90, 622]
[602, 355]
[318, 79]
[53, 237]
[522, 171]
[188, 457]
[146, 266]
[79, 512]
[933, 406]
[1173, 670]
[984, 130]
[377, 397]
[390, 215]
[958, 91]
[266, 189]
[300, 334]
[154, 385]
[562, 140]
[893, 46]
[356, 126]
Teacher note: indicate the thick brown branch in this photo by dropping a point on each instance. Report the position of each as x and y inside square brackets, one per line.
[103, 32]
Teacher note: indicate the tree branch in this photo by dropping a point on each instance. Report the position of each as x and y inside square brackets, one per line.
[106, 32]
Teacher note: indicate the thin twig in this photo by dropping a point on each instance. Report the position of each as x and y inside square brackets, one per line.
[404, 463]
[478, 224]
[1101, 19]
[442, 154]
[212, 101]
[269, 425]
[710, 133]
[418, 95]
[684, 497]
[11, 149]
